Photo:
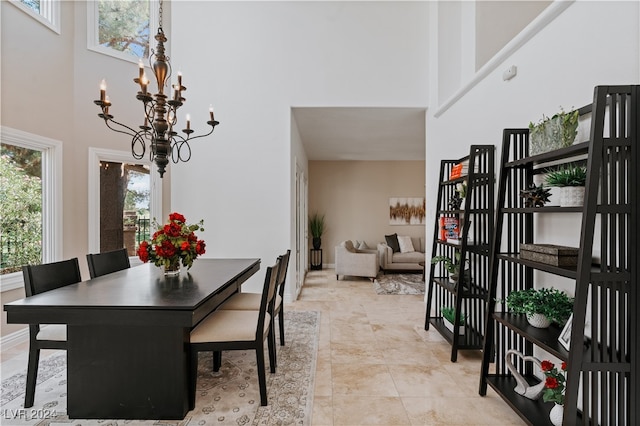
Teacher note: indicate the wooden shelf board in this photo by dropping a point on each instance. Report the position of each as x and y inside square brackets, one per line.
[546, 338]
[564, 271]
[558, 154]
[438, 324]
[535, 413]
[548, 209]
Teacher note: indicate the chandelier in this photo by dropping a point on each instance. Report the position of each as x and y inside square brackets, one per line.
[160, 112]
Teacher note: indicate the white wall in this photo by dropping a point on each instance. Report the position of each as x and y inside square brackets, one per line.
[253, 61]
[590, 43]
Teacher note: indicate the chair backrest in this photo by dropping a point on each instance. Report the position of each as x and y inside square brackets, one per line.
[282, 273]
[108, 262]
[268, 294]
[49, 276]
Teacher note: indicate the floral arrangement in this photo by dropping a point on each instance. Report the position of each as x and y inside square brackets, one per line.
[554, 383]
[173, 242]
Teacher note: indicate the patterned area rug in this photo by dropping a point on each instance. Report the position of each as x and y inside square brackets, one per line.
[399, 284]
[228, 397]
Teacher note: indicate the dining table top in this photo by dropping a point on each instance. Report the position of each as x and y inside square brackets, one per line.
[140, 288]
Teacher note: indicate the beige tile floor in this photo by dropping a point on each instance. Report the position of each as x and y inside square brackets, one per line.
[376, 363]
[378, 366]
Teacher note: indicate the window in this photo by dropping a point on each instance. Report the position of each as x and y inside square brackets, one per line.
[30, 202]
[124, 196]
[47, 12]
[123, 29]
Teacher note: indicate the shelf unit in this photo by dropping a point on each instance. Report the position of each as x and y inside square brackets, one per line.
[477, 221]
[602, 377]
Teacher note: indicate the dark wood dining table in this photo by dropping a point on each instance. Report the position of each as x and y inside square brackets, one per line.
[128, 335]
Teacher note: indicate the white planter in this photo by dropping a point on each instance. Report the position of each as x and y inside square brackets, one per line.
[538, 320]
[554, 197]
[572, 196]
[449, 327]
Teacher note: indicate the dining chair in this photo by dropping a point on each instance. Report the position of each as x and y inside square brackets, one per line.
[251, 301]
[224, 330]
[39, 279]
[108, 262]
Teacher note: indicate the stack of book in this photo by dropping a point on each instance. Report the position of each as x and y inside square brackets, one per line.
[459, 170]
[449, 228]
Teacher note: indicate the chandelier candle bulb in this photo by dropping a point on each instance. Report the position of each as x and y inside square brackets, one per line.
[211, 112]
[179, 78]
[141, 69]
[103, 90]
[188, 122]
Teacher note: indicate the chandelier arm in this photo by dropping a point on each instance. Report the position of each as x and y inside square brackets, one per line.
[213, 126]
[130, 132]
[177, 150]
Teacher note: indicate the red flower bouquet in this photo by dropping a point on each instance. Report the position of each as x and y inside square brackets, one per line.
[173, 242]
[554, 383]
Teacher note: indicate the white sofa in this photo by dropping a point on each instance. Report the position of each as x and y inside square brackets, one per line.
[398, 261]
[357, 263]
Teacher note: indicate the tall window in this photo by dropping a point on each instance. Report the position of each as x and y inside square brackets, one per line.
[46, 12]
[121, 28]
[30, 202]
[20, 207]
[124, 205]
[123, 198]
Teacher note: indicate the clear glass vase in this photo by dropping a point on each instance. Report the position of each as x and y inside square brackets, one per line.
[173, 269]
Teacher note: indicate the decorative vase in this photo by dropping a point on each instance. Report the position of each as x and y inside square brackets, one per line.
[523, 387]
[538, 320]
[556, 414]
[572, 196]
[173, 269]
[316, 242]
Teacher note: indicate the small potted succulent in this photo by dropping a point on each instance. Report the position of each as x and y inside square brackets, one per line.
[535, 196]
[449, 315]
[541, 306]
[571, 180]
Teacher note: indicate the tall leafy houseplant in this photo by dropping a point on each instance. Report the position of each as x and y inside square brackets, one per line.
[316, 226]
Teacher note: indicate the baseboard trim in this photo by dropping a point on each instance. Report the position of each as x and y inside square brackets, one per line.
[15, 338]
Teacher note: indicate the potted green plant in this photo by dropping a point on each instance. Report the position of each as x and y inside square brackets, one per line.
[553, 133]
[316, 226]
[541, 306]
[449, 315]
[452, 267]
[571, 180]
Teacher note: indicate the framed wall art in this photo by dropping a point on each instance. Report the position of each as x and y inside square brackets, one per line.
[406, 211]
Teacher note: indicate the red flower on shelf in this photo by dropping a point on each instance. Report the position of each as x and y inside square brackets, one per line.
[173, 242]
[555, 382]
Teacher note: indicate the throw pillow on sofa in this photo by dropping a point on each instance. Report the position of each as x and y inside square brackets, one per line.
[406, 246]
[392, 241]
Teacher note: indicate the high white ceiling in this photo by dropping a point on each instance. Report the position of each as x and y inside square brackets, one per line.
[367, 134]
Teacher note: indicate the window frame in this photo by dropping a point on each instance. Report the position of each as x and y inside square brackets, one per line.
[96, 155]
[49, 15]
[93, 38]
[52, 233]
